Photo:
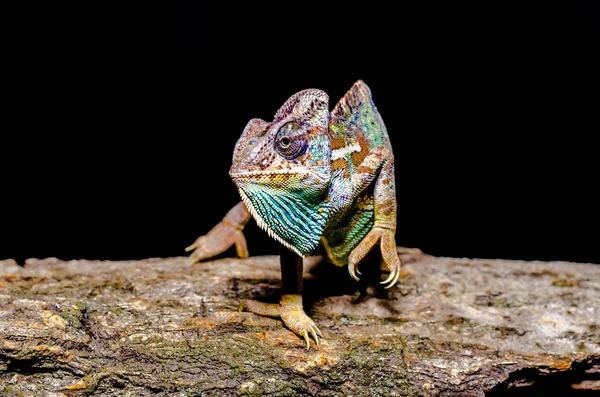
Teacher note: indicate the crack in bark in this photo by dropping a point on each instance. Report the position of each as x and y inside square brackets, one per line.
[545, 381]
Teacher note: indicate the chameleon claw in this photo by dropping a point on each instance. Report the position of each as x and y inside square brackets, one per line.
[293, 316]
[314, 334]
[193, 258]
[352, 270]
[396, 279]
[390, 278]
[393, 277]
[318, 331]
[306, 338]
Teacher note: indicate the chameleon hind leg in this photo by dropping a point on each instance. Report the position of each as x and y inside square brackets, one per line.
[289, 308]
[384, 228]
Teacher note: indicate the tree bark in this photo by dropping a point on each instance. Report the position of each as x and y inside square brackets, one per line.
[450, 327]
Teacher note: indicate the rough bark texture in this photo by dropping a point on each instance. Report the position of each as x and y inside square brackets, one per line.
[452, 326]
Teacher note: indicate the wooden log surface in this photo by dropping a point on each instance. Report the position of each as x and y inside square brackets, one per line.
[451, 326]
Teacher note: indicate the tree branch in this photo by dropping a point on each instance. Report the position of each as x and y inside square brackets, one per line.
[452, 326]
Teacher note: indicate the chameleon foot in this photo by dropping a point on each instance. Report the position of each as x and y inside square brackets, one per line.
[388, 251]
[291, 313]
[225, 234]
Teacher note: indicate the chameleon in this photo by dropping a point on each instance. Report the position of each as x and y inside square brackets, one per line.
[313, 180]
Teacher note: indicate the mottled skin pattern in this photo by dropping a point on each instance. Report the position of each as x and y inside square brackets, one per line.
[312, 179]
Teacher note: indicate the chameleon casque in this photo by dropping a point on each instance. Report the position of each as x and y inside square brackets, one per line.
[312, 179]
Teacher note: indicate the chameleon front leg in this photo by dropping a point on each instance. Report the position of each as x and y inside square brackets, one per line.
[384, 228]
[289, 308]
[225, 234]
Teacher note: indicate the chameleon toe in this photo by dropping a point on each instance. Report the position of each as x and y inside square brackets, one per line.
[392, 278]
[353, 270]
[307, 339]
[314, 334]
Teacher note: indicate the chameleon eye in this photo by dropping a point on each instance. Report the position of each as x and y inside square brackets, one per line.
[284, 142]
[291, 141]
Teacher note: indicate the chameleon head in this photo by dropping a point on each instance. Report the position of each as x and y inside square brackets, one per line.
[282, 170]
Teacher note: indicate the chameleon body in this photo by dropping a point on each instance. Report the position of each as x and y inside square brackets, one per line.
[313, 179]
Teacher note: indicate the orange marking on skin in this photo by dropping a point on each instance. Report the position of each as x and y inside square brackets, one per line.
[339, 164]
[337, 143]
[358, 157]
[364, 169]
[315, 131]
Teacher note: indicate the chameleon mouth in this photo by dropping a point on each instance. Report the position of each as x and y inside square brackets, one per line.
[264, 174]
[286, 179]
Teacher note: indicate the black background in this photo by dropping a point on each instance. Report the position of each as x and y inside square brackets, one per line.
[124, 121]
